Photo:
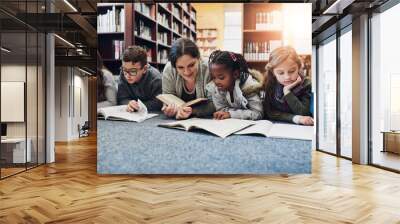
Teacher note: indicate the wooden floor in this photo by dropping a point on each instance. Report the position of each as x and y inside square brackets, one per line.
[70, 191]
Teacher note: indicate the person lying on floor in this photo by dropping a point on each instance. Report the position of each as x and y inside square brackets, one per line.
[138, 81]
[186, 76]
[235, 89]
[287, 91]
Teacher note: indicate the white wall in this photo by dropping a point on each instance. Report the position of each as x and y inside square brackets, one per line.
[71, 102]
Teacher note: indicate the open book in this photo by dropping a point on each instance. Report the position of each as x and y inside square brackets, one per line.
[221, 128]
[279, 130]
[120, 113]
[172, 99]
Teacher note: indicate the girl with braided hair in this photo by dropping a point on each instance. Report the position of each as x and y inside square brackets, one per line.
[235, 89]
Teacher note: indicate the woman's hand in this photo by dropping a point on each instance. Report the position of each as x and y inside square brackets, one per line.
[306, 120]
[183, 113]
[221, 115]
[170, 110]
[132, 106]
[287, 88]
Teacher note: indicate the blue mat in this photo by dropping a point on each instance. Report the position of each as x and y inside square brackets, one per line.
[144, 148]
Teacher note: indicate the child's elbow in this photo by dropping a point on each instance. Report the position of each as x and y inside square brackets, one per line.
[304, 112]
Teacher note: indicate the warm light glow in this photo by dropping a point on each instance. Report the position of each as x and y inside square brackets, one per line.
[297, 24]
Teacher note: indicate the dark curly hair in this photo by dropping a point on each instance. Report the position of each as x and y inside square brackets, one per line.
[234, 61]
[135, 54]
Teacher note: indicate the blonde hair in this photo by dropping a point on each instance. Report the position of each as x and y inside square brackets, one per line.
[278, 56]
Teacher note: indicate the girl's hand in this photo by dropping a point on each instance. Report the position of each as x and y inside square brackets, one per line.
[287, 88]
[170, 110]
[183, 113]
[132, 106]
[221, 115]
[306, 120]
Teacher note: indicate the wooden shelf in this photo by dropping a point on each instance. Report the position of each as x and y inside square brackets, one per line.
[253, 38]
[132, 18]
[164, 27]
[188, 27]
[177, 18]
[143, 16]
[175, 33]
[165, 10]
[187, 13]
[145, 39]
[163, 45]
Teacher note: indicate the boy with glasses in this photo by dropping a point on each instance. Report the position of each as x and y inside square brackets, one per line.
[139, 80]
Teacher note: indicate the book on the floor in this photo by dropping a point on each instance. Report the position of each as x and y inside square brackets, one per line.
[221, 128]
[120, 113]
[279, 130]
[172, 99]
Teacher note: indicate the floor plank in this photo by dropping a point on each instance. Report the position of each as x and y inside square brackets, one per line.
[70, 191]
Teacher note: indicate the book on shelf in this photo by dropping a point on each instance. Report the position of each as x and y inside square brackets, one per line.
[118, 47]
[279, 130]
[221, 128]
[112, 21]
[119, 113]
[259, 51]
[269, 20]
[170, 99]
[143, 8]
[162, 56]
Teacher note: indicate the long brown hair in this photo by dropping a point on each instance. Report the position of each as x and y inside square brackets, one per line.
[277, 57]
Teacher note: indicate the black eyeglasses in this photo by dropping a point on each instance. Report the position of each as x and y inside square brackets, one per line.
[131, 72]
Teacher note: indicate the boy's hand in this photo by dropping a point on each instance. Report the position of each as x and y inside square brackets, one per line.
[287, 88]
[306, 120]
[221, 115]
[132, 106]
[169, 110]
[183, 113]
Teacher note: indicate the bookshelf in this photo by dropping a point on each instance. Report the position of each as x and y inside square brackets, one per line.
[207, 41]
[154, 26]
[262, 32]
[110, 34]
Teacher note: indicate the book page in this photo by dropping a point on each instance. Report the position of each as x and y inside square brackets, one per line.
[261, 127]
[291, 131]
[170, 99]
[195, 101]
[120, 113]
[221, 128]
